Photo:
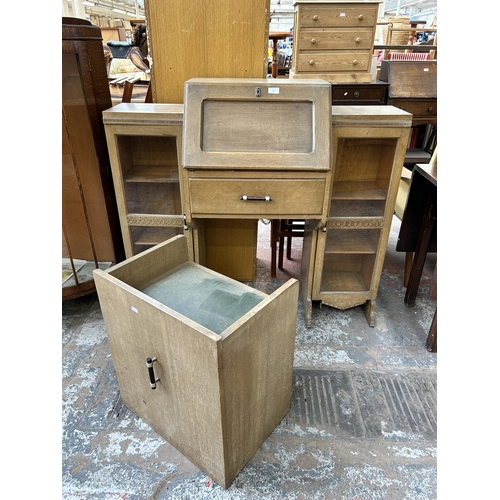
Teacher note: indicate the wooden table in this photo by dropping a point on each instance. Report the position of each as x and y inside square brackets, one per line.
[418, 232]
[275, 36]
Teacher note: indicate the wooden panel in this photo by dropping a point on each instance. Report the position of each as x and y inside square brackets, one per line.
[205, 38]
[231, 247]
[229, 126]
[410, 78]
[257, 377]
[287, 197]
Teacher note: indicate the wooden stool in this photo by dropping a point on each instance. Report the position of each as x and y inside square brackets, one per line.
[281, 229]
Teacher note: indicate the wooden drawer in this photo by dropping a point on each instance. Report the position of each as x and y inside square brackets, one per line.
[359, 93]
[419, 108]
[333, 61]
[337, 15]
[338, 39]
[286, 197]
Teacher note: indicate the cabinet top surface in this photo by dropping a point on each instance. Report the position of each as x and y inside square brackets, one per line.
[267, 82]
[383, 112]
[142, 110]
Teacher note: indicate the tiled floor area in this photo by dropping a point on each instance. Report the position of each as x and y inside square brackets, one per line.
[362, 424]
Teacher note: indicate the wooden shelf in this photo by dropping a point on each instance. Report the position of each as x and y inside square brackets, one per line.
[353, 241]
[357, 208]
[153, 235]
[344, 281]
[153, 173]
[358, 191]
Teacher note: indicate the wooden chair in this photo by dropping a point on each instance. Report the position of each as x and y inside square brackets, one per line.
[128, 89]
[281, 229]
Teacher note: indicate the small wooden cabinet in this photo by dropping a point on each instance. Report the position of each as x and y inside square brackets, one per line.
[343, 254]
[145, 146]
[333, 40]
[204, 360]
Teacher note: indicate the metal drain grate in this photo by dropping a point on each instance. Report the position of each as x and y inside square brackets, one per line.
[365, 404]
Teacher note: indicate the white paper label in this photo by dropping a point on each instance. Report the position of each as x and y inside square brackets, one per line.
[273, 90]
[342, 14]
[426, 69]
[134, 309]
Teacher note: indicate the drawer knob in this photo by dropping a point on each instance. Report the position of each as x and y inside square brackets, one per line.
[311, 62]
[358, 40]
[151, 371]
[315, 17]
[355, 62]
[361, 17]
[431, 109]
[356, 93]
[256, 198]
[313, 40]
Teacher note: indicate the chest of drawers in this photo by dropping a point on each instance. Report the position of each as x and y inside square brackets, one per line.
[334, 40]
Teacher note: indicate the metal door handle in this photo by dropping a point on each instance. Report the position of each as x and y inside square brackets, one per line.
[256, 198]
[151, 371]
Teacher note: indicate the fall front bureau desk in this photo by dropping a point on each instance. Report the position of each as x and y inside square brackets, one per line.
[345, 191]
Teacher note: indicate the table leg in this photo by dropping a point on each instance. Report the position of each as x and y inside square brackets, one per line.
[424, 237]
[274, 68]
[431, 343]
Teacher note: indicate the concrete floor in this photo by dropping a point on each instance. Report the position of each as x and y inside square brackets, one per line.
[362, 424]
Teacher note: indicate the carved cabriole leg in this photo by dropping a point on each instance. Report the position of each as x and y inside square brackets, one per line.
[370, 307]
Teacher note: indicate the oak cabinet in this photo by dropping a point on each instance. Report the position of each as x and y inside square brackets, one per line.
[145, 145]
[333, 40]
[206, 361]
[343, 255]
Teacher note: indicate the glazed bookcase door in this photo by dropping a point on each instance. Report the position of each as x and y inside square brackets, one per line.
[149, 185]
[354, 238]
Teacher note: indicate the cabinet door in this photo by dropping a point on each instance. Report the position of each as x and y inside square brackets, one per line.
[186, 367]
[146, 173]
[355, 237]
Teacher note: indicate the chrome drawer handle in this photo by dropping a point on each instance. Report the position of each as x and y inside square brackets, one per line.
[151, 371]
[356, 93]
[256, 198]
